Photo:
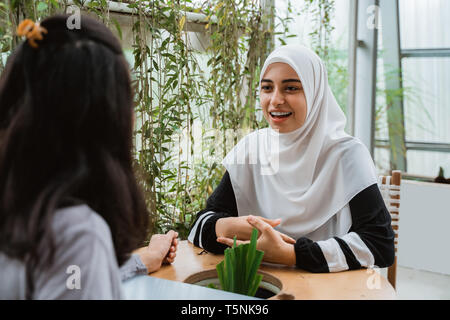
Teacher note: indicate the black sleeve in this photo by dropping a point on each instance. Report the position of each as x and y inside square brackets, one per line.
[371, 222]
[221, 203]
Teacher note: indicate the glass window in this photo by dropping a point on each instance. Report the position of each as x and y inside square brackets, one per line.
[381, 121]
[427, 99]
[381, 155]
[424, 23]
[425, 81]
[382, 160]
[427, 163]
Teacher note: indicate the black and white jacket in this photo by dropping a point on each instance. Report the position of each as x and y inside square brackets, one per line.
[368, 243]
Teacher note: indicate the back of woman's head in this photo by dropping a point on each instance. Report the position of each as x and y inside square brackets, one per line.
[66, 114]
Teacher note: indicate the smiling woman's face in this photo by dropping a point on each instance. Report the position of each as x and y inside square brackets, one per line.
[282, 98]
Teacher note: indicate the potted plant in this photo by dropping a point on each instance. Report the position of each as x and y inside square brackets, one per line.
[441, 178]
[238, 270]
[238, 273]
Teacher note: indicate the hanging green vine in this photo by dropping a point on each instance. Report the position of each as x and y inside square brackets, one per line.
[321, 13]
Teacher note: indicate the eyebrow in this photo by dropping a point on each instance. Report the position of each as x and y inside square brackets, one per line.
[283, 81]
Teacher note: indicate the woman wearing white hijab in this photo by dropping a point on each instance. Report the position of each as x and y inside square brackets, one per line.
[307, 186]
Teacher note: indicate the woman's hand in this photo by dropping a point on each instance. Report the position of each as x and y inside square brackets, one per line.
[242, 229]
[276, 249]
[161, 249]
[170, 257]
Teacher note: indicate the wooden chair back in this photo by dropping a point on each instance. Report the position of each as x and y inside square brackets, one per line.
[390, 190]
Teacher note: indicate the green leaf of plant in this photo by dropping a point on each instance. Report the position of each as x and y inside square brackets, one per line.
[255, 285]
[221, 274]
[117, 25]
[251, 254]
[42, 6]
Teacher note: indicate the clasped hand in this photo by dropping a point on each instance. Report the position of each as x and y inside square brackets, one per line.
[277, 247]
[161, 250]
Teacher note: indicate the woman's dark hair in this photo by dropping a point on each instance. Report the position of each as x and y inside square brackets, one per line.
[66, 125]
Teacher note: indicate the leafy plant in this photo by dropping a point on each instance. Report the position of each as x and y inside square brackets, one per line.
[441, 178]
[179, 88]
[238, 271]
[212, 286]
[322, 18]
[390, 120]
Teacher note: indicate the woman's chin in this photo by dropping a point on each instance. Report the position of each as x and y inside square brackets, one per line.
[282, 128]
[283, 125]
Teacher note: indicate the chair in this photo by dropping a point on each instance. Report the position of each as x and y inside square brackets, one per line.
[390, 190]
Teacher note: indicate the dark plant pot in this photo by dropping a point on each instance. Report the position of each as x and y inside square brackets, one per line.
[269, 288]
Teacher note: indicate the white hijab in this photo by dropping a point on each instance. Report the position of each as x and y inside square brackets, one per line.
[307, 176]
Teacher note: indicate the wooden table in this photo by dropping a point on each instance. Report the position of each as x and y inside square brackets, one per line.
[356, 284]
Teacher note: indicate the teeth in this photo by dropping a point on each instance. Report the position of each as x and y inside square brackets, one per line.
[280, 113]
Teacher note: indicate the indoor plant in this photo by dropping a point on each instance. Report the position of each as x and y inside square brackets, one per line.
[238, 270]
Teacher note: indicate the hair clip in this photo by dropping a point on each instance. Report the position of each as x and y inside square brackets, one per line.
[33, 31]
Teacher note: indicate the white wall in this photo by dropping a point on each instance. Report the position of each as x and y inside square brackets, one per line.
[424, 226]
